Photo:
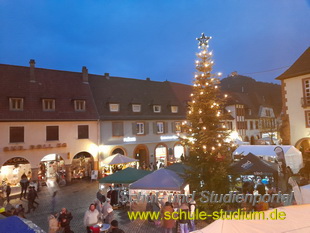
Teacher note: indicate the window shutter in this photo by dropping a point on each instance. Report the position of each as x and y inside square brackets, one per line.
[134, 128]
[154, 127]
[173, 127]
[166, 130]
[146, 128]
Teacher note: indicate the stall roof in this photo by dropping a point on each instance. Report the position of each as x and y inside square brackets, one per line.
[162, 179]
[126, 176]
[265, 150]
[118, 159]
[16, 224]
[179, 168]
[253, 165]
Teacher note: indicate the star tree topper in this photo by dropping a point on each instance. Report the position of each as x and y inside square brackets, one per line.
[203, 40]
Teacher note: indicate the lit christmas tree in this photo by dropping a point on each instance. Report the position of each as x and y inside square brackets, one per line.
[205, 130]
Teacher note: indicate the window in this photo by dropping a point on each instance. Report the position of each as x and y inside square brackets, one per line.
[136, 107]
[48, 104]
[256, 125]
[140, 128]
[251, 124]
[117, 129]
[114, 107]
[307, 119]
[306, 86]
[16, 104]
[250, 111]
[16, 134]
[177, 126]
[267, 112]
[157, 108]
[174, 109]
[83, 132]
[160, 127]
[52, 133]
[80, 105]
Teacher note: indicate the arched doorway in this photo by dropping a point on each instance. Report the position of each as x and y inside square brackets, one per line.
[304, 146]
[51, 167]
[161, 155]
[141, 153]
[118, 150]
[82, 165]
[246, 139]
[179, 151]
[12, 170]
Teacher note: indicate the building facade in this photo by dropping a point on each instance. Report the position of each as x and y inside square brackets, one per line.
[48, 124]
[295, 83]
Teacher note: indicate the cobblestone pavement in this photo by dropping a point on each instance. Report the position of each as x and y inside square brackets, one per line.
[76, 197]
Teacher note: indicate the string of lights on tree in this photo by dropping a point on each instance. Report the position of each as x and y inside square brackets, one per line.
[205, 127]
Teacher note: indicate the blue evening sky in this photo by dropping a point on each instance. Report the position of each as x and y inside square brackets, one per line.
[155, 38]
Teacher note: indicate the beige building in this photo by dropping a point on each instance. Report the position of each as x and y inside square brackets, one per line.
[295, 83]
[48, 124]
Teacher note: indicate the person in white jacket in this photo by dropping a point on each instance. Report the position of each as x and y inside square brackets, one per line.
[91, 217]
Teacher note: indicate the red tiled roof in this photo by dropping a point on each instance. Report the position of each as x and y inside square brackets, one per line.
[63, 86]
[300, 67]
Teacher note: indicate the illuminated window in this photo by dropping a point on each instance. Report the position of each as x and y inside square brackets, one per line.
[114, 107]
[174, 109]
[177, 125]
[80, 105]
[16, 104]
[48, 104]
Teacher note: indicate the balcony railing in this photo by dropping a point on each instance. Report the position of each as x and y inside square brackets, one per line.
[305, 102]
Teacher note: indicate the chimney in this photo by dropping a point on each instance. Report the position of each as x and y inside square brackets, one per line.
[242, 89]
[148, 79]
[85, 74]
[234, 73]
[32, 63]
[107, 75]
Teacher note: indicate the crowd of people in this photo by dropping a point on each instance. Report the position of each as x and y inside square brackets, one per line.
[184, 224]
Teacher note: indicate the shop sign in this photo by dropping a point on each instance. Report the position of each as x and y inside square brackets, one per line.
[16, 160]
[32, 147]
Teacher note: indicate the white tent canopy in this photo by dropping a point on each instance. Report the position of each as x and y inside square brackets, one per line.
[293, 156]
[118, 159]
[296, 221]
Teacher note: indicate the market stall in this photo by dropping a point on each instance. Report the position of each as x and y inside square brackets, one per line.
[115, 163]
[293, 157]
[251, 167]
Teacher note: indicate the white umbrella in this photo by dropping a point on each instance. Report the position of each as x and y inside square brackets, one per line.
[296, 221]
[118, 159]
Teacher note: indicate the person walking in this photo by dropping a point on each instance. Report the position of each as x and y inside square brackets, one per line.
[64, 219]
[30, 198]
[183, 220]
[192, 207]
[91, 217]
[168, 224]
[24, 183]
[54, 199]
[105, 208]
[8, 192]
[35, 196]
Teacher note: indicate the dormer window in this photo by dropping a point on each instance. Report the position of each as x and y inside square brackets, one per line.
[174, 109]
[136, 107]
[16, 104]
[250, 112]
[114, 107]
[79, 105]
[157, 108]
[48, 104]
